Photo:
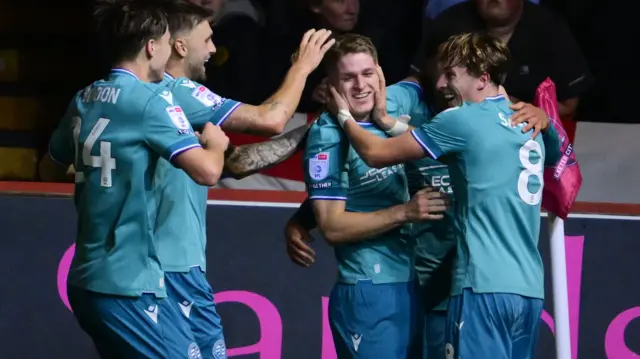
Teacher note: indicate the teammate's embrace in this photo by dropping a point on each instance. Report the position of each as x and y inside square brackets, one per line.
[114, 132]
[364, 213]
[496, 171]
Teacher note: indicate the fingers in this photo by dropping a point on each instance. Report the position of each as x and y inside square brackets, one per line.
[381, 78]
[327, 45]
[305, 38]
[299, 252]
[517, 106]
[536, 131]
[319, 38]
[335, 95]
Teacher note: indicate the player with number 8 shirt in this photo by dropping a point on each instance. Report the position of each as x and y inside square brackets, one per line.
[114, 132]
[497, 176]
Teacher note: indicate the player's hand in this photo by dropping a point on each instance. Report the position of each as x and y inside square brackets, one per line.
[535, 117]
[427, 204]
[312, 48]
[213, 137]
[297, 248]
[321, 92]
[336, 101]
[380, 115]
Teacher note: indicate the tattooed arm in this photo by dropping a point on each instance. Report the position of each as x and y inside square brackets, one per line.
[243, 161]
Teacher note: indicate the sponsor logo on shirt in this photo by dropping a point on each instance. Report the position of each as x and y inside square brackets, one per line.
[178, 117]
[319, 166]
[206, 97]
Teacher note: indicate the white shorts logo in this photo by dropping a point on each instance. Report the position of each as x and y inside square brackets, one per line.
[219, 350]
[178, 117]
[319, 166]
[194, 351]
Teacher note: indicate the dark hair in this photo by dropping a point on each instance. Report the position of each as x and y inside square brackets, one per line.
[124, 27]
[185, 16]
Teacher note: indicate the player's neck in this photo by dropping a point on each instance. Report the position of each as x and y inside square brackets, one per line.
[140, 70]
[175, 71]
[490, 91]
[362, 118]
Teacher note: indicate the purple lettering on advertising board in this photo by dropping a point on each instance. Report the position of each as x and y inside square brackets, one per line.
[614, 344]
[328, 348]
[270, 344]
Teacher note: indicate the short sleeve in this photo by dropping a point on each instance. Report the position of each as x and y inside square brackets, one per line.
[324, 162]
[201, 105]
[446, 133]
[403, 98]
[167, 129]
[62, 142]
[570, 72]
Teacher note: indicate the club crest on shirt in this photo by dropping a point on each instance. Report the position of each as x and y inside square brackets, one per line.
[194, 351]
[219, 350]
[206, 97]
[178, 117]
[319, 166]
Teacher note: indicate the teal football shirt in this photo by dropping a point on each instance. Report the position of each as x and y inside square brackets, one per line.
[497, 175]
[181, 224]
[114, 132]
[334, 171]
[435, 240]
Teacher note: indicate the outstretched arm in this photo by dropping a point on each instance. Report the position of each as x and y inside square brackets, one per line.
[243, 161]
[270, 117]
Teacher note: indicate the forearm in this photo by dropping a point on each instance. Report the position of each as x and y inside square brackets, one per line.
[304, 216]
[348, 227]
[366, 144]
[280, 107]
[243, 161]
[551, 146]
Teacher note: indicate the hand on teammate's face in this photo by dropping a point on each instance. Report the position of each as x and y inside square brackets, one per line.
[213, 137]
[535, 117]
[297, 248]
[380, 115]
[428, 204]
[321, 92]
[312, 49]
[336, 101]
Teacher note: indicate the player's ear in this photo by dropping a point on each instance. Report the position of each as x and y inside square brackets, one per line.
[484, 81]
[150, 48]
[180, 46]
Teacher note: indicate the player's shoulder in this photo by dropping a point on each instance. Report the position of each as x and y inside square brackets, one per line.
[405, 88]
[325, 129]
[455, 112]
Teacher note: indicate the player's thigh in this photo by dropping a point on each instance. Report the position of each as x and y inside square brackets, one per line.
[477, 328]
[129, 327]
[374, 320]
[434, 335]
[525, 335]
[192, 295]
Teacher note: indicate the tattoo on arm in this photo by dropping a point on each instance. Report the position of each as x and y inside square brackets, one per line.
[246, 160]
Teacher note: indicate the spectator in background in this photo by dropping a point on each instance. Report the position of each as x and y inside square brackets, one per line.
[541, 46]
[435, 7]
[384, 24]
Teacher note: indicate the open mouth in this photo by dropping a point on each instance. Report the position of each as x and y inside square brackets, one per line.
[361, 96]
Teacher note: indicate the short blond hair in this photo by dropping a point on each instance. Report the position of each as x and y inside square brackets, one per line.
[478, 53]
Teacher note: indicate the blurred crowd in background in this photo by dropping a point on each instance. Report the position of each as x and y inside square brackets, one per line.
[47, 53]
